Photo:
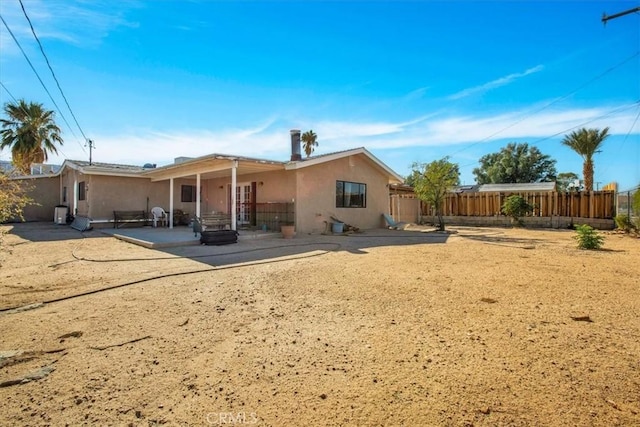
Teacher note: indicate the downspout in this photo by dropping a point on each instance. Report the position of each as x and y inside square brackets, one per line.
[87, 194]
[74, 211]
[60, 199]
[170, 203]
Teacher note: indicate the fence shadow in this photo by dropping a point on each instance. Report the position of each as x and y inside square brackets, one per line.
[261, 251]
[48, 232]
[499, 238]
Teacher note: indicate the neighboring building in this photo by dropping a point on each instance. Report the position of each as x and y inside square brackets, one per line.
[36, 168]
[507, 188]
[6, 167]
[351, 185]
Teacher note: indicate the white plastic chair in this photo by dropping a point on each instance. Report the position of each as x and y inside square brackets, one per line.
[159, 216]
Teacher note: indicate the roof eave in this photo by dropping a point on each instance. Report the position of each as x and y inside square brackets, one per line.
[203, 159]
[299, 164]
[97, 170]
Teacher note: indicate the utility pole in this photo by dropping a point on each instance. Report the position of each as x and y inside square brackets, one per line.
[605, 18]
[91, 147]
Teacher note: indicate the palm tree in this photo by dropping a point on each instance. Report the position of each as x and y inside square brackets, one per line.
[31, 132]
[310, 141]
[586, 143]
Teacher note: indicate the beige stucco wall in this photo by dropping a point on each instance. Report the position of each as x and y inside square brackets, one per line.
[104, 194]
[276, 186]
[108, 193]
[45, 192]
[316, 194]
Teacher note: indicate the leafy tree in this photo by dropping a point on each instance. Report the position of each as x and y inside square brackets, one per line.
[433, 181]
[564, 179]
[310, 141]
[516, 206]
[31, 132]
[586, 143]
[13, 198]
[411, 179]
[515, 163]
[635, 204]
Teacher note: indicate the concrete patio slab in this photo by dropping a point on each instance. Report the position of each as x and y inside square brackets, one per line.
[161, 237]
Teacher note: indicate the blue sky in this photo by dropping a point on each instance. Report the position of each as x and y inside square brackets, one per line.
[411, 81]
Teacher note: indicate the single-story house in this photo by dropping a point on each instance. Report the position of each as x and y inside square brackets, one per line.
[352, 185]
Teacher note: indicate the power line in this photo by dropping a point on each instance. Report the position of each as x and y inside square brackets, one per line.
[605, 18]
[40, 80]
[33, 31]
[7, 90]
[625, 140]
[617, 110]
[533, 112]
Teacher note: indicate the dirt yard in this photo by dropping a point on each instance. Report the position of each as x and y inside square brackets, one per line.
[480, 326]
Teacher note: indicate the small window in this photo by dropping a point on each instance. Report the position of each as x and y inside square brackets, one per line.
[64, 194]
[188, 193]
[82, 195]
[351, 194]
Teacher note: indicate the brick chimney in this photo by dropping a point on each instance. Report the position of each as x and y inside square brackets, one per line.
[295, 145]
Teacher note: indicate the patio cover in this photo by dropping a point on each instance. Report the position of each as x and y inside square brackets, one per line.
[209, 167]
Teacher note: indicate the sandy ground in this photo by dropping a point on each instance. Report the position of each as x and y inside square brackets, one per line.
[480, 326]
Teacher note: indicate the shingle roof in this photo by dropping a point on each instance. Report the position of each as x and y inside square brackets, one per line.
[528, 186]
[112, 166]
[319, 156]
[505, 188]
[315, 160]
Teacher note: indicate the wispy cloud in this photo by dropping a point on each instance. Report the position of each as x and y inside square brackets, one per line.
[453, 130]
[271, 140]
[75, 22]
[502, 81]
[415, 94]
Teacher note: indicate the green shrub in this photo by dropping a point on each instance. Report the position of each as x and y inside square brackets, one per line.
[588, 238]
[516, 207]
[623, 222]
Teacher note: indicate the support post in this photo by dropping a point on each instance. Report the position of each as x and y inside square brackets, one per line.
[170, 202]
[198, 195]
[234, 206]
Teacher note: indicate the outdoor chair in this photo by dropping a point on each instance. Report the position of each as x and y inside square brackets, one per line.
[159, 216]
[392, 224]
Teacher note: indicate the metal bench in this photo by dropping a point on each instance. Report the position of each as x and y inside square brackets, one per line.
[122, 218]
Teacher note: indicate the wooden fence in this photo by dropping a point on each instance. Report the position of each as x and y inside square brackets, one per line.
[594, 204]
